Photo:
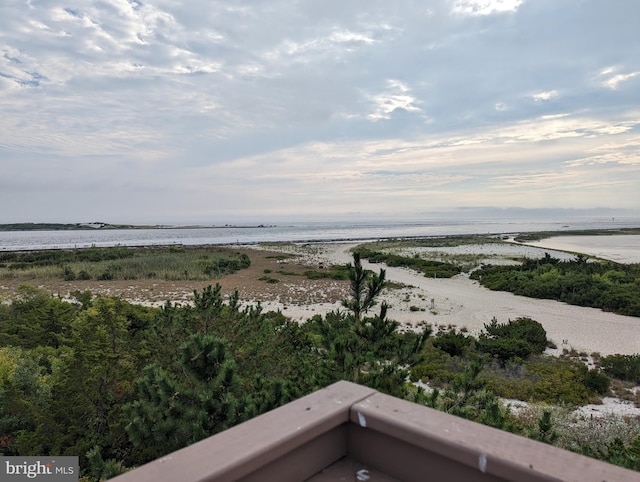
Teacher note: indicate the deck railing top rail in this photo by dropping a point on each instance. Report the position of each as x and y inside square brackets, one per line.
[404, 440]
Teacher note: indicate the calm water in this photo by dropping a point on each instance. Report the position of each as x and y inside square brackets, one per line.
[622, 249]
[295, 232]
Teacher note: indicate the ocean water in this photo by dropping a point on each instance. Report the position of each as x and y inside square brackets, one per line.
[288, 232]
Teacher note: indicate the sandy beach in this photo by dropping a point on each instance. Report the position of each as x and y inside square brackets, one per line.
[461, 302]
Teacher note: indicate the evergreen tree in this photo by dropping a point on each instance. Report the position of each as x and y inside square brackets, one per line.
[170, 414]
[366, 349]
[364, 288]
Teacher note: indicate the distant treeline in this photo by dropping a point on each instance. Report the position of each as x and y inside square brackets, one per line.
[65, 227]
[106, 226]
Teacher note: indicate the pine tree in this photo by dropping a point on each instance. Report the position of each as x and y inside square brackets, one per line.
[366, 349]
[170, 414]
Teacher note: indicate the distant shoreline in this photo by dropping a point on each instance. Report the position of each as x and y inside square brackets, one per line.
[106, 226]
[99, 226]
[33, 237]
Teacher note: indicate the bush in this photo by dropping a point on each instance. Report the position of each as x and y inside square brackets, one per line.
[431, 269]
[438, 367]
[524, 329]
[597, 382]
[606, 285]
[336, 272]
[452, 343]
[269, 279]
[504, 348]
[622, 367]
[69, 275]
[542, 379]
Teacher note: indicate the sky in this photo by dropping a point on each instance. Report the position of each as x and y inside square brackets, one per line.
[170, 111]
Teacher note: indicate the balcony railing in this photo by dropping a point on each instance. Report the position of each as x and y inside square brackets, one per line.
[350, 432]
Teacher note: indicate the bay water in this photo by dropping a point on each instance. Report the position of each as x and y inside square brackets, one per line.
[289, 232]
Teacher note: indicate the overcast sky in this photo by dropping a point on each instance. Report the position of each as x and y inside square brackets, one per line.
[180, 111]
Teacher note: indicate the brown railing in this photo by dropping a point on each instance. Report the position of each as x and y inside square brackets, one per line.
[361, 434]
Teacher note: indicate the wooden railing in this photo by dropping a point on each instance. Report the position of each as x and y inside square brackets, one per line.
[378, 434]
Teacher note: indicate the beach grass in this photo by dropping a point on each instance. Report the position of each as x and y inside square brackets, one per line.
[121, 263]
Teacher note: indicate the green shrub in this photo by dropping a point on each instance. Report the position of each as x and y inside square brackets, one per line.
[336, 272]
[597, 382]
[105, 276]
[69, 275]
[438, 367]
[269, 279]
[452, 343]
[516, 339]
[542, 379]
[622, 367]
[504, 348]
[606, 285]
[524, 329]
[431, 269]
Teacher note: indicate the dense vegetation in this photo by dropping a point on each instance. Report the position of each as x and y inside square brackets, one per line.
[466, 379]
[121, 384]
[512, 364]
[623, 367]
[122, 263]
[432, 242]
[127, 381]
[607, 285]
[432, 269]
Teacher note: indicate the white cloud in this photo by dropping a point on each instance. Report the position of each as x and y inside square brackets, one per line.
[545, 95]
[563, 126]
[625, 152]
[544, 180]
[485, 7]
[613, 80]
[333, 44]
[396, 96]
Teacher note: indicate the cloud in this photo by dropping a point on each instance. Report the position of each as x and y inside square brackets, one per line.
[279, 107]
[395, 96]
[626, 152]
[614, 81]
[545, 95]
[485, 7]
[334, 44]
